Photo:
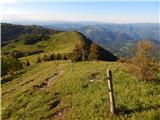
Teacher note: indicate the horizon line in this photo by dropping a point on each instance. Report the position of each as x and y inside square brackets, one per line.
[71, 22]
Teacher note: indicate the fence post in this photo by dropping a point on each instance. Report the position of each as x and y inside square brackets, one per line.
[111, 94]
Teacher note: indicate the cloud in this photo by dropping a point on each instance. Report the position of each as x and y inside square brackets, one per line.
[7, 2]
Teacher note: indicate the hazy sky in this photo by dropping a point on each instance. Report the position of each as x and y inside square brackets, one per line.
[103, 11]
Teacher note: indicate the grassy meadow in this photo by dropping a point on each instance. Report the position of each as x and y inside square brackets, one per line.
[59, 43]
[78, 91]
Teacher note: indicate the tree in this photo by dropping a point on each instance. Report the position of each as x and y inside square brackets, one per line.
[46, 57]
[94, 52]
[64, 56]
[9, 65]
[38, 60]
[80, 51]
[52, 56]
[77, 53]
[4, 66]
[27, 63]
[147, 67]
[69, 56]
[58, 56]
[85, 50]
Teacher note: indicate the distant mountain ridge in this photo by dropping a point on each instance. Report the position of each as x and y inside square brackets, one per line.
[134, 31]
[118, 38]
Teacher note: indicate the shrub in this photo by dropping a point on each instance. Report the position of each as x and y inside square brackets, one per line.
[52, 56]
[80, 52]
[46, 57]
[64, 57]
[77, 53]
[146, 66]
[94, 52]
[122, 60]
[27, 63]
[9, 65]
[38, 60]
[58, 56]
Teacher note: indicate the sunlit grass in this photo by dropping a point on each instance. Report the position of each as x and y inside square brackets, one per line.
[80, 95]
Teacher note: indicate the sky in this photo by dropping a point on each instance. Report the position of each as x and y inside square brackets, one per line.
[115, 11]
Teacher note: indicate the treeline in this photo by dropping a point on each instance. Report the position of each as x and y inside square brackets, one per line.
[92, 51]
[53, 56]
[81, 52]
[30, 39]
[18, 54]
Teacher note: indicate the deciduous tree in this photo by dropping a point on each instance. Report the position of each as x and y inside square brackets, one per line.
[94, 52]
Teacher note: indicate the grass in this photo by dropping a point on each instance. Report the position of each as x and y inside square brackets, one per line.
[78, 92]
[57, 43]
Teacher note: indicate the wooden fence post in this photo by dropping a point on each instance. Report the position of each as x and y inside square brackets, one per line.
[111, 94]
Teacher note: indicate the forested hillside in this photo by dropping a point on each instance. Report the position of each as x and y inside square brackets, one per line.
[12, 32]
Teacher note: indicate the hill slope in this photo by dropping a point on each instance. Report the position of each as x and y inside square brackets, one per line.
[58, 42]
[78, 91]
[10, 32]
[118, 38]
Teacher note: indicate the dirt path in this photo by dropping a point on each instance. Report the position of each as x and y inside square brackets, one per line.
[48, 81]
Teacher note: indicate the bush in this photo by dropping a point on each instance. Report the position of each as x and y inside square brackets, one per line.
[52, 56]
[58, 56]
[46, 57]
[94, 52]
[64, 57]
[69, 55]
[146, 66]
[27, 63]
[122, 60]
[9, 65]
[38, 60]
[80, 52]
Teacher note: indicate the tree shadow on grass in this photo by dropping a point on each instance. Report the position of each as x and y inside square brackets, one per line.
[124, 110]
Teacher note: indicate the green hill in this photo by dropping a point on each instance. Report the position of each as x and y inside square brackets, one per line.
[51, 41]
[62, 42]
[78, 91]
